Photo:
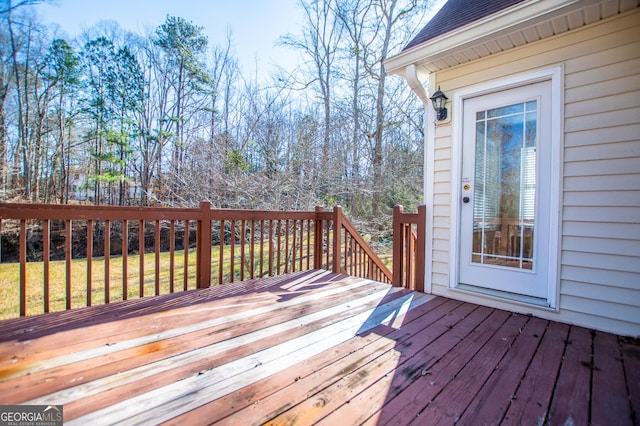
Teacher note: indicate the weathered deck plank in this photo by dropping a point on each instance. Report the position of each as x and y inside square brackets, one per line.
[327, 368]
[490, 403]
[608, 378]
[571, 399]
[631, 358]
[243, 339]
[397, 361]
[316, 347]
[432, 344]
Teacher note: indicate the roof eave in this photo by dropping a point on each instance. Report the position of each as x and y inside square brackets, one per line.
[491, 27]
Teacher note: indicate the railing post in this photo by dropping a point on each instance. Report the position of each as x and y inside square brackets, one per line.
[398, 244]
[204, 243]
[317, 240]
[421, 257]
[337, 237]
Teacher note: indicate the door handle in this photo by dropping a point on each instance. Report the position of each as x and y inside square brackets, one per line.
[465, 200]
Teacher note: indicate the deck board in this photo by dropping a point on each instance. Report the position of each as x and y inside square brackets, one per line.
[315, 348]
[324, 370]
[630, 358]
[532, 399]
[571, 399]
[608, 377]
[491, 402]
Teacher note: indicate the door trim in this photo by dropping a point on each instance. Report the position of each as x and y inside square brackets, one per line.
[555, 75]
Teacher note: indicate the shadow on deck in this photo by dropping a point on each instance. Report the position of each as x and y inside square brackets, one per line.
[316, 347]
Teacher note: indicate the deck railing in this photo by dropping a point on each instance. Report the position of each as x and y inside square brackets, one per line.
[146, 251]
[409, 237]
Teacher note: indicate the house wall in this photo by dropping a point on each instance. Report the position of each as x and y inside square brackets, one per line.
[600, 196]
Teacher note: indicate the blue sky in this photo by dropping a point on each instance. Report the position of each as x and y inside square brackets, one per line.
[255, 24]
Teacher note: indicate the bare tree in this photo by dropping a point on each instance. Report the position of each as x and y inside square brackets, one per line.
[319, 43]
[389, 16]
[223, 75]
[354, 15]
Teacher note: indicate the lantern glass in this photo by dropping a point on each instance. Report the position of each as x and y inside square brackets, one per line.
[439, 100]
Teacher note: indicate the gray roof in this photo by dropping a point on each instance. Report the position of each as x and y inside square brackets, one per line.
[458, 13]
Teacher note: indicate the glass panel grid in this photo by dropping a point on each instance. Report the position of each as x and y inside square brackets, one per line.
[505, 186]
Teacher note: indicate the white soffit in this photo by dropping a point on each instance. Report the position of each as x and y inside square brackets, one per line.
[523, 23]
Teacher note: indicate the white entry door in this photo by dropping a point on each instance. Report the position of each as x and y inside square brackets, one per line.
[505, 202]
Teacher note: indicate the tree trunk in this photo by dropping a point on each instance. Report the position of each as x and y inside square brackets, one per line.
[377, 150]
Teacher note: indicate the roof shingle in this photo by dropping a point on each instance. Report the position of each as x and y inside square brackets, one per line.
[457, 13]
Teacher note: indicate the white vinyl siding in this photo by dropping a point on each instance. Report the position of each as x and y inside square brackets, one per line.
[600, 222]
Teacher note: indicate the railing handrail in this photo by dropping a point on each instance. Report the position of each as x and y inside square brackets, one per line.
[84, 212]
[348, 226]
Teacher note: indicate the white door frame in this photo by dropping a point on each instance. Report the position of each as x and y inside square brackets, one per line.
[555, 75]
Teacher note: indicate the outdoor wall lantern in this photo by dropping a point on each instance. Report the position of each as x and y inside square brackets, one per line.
[439, 100]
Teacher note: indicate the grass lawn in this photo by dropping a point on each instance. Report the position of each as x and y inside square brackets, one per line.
[10, 279]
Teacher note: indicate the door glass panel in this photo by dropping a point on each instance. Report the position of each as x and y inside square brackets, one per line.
[505, 186]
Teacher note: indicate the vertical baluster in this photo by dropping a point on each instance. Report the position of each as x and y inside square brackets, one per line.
[125, 259]
[23, 267]
[345, 250]
[107, 263]
[89, 262]
[185, 278]
[261, 246]
[348, 263]
[365, 264]
[279, 235]
[45, 258]
[270, 248]
[242, 241]
[221, 265]
[407, 238]
[349, 252]
[233, 251]
[308, 244]
[329, 244]
[355, 255]
[68, 258]
[301, 244]
[293, 246]
[409, 257]
[317, 239]
[357, 258]
[156, 249]
[286, 246]
[141, 255]
[357, 250]
[353, 247]
[397, 247]
[252, 248]
[172, 253]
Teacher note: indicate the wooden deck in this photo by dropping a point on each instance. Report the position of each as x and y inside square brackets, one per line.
[315, 347]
